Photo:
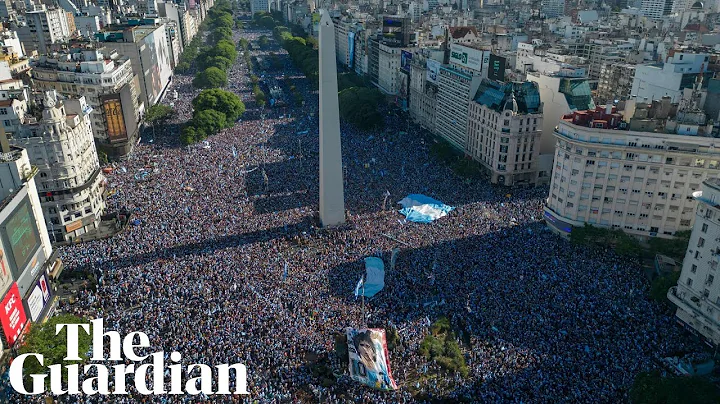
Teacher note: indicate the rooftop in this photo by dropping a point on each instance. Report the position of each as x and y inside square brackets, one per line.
[499, 95]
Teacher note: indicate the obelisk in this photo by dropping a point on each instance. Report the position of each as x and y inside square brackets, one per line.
[332, 196]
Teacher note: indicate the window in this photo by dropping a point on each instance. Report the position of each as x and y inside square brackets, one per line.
[590, 163]
[701, 242]
[710, 279]
[697, 255]
[693, 268]
[688, 282]
[704, 228]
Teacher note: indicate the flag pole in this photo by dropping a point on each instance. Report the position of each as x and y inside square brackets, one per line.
[363, 305]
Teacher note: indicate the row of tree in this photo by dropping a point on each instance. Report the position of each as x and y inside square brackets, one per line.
[213, 110]
[219, 55]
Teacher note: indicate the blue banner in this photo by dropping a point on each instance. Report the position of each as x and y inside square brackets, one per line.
[351, 49]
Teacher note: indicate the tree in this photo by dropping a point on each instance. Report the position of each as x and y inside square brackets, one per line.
[359, 106]
[224, 20]
[661, 285]
[209, 121]
[41, 339]
[674, 248]
[157, 113]
[223, 101]
[219, 34]
[652, 388]
[220, 62]
[225, 49]
[182, 67]
[263, 41]
[212, 77]
[191, 134]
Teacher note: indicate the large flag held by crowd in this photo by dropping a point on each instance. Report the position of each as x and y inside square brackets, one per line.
[423, 209]
[369, 360]
[374, 276]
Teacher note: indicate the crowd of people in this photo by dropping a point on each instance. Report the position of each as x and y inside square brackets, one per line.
[203, 270]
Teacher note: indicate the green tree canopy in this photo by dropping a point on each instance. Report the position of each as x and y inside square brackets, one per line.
[661, 285]
[158, 112]
[219, 34]
[209, 121]
[223, 101]
[224, 20]
[225, 49]
[652, 388]
[263, 41]
[359, 106]
[42, 339]
[212, 77]
[220, 62]
[191, 134]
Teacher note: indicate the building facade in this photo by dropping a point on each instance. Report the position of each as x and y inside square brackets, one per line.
[109, 85]
[504, 129]
[697, 295]
[637, 176]
[615, 82]
[70, 182]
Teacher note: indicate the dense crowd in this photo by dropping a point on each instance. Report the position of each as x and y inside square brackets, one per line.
[202, 272]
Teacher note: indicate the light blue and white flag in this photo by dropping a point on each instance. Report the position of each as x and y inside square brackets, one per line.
[285, 273]
[358, 287]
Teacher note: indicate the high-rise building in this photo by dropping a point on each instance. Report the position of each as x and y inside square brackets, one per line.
[150, 56]
[679, 72]
[561, 92]
[424, 71]
[552, 8]
[697, 295]
[633, 170]
[615, 82]
[259, 6]
[656, 9]
[26, 256]
[43, 27]
[110, 87]
[70, 182]
[504, 129]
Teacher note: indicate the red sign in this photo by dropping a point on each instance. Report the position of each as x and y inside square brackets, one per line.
[12, 315]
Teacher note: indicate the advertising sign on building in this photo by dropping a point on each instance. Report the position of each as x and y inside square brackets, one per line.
[112, 107]
[433, 70]
[12, 315]
[27, 279]
[496, 70]
[405, 59]
[5, 274]
[466, 57]
[486, 60]
[351, 49]
[39, 298]
[23, 238]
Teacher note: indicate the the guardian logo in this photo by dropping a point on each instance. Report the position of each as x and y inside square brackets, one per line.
[100, 382]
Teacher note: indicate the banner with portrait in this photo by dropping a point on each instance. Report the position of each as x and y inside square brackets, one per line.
[369, 361]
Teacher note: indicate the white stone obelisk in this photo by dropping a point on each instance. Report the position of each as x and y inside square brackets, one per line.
[332, 196]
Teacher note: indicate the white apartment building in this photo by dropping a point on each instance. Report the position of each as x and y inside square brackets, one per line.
[10, 43]
[504, 129]
[342, 48]
[634, 171]
[697, 294]
[656, 9]
[43, 27]
[389, 59]
[455, 87]
[257, 6]
[423, 91]
[70, 182]
[679, 72]
[107, 82]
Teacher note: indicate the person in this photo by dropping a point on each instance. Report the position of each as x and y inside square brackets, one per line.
[372, 357]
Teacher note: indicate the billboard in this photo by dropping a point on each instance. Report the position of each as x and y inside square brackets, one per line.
[27, 278]
[38, 298]
[486, 60]
[12, 315]
[405, 59]
[351, 49]
[433, 70]
[496, 70]
[112, 107]
[23, 236]
[394, 29]
[369, 361]
[5, 274]
[466, 57]
[155, 59]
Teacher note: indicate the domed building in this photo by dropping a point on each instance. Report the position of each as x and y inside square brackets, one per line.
[69, 182]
